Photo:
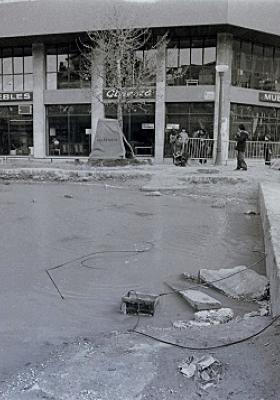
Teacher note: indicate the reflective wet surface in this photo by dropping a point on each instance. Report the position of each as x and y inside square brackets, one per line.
[70, 251]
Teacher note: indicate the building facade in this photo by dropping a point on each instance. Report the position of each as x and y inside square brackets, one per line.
[48, 109]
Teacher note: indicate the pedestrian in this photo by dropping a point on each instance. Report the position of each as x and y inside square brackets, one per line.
[172, 140]
[267, 150]
[185, 139]
[241, 138]
[179, 152]
[203, 145]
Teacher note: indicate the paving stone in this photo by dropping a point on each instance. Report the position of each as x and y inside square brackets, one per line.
[199, 300]
[238, 282]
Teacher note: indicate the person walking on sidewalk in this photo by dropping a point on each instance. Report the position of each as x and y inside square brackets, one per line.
[241, 138]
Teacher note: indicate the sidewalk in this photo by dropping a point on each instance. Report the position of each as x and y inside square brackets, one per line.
[162, 176]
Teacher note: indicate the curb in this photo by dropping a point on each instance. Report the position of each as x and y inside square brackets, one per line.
[192, 179]
[269, 201]
[65, 175]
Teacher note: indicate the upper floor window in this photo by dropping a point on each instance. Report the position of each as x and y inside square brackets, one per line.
[16, 69]
[63, 67]
[256, 66]
[191, 61]
[139, 68]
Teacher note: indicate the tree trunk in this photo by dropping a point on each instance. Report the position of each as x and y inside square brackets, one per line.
[119, 105]
[120, 112]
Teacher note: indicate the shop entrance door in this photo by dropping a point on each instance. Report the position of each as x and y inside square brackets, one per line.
[139, 128]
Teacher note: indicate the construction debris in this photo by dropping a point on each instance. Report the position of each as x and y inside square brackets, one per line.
[252, 212]
[263, 311]
[219, 204]
[190, 276]
[155, 193]
[206, 370]
[206, 318]
[238, 282]
[214, 317]
[180, 324]
[139, 303]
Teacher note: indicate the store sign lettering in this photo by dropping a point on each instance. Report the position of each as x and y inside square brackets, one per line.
[20, 96]
[269, 97]
[112, 94]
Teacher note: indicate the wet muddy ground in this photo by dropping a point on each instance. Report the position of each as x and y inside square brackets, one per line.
[70, 251]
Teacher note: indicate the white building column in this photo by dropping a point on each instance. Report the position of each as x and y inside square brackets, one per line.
[160, 104]
[39, 119]
[97, 84]
[224, 57]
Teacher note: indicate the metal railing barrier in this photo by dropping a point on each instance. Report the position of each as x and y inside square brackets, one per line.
[255, 149]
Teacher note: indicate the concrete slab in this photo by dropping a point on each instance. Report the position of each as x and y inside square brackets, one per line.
[199, 300]
[239, 282]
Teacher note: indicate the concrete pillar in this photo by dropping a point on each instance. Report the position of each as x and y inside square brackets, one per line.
[97, 83]
[160, 105]
[39, 119]
[224, 57]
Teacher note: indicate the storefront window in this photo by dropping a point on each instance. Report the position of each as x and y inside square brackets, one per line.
[63, 65]
[16, 131]
[189, 116]
[67, 127]
[259, 121]
[191, 61]
[138, 127]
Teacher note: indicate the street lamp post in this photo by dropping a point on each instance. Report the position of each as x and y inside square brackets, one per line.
[221, 69]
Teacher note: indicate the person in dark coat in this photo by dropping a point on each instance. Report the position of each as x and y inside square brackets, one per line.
[172, 140]
[241, 138]
[179, 152]
[267, 150]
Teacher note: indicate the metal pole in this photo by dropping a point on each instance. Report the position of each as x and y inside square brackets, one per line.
[219, 136]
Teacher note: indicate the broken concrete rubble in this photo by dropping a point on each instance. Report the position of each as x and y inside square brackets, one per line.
[214, 317]
[155, 193]
[207, 318]
[206, 370]
[263, 311]
[190, 276]
[238, 282]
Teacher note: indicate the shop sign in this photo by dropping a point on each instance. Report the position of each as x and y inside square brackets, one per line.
[130, 94]
[169, 127]
[148, 126]
[269, 97]
[16, 96]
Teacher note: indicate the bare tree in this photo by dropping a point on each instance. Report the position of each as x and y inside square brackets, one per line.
[118, 58]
